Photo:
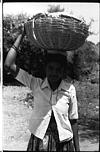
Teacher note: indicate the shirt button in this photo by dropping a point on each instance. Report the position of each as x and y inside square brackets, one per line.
[53, 99]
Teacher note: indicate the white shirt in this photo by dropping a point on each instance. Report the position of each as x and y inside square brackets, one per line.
[62, 101]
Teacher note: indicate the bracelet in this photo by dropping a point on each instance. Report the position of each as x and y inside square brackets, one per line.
[15, 48]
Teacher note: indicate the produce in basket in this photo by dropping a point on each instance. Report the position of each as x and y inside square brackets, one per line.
[59, 32]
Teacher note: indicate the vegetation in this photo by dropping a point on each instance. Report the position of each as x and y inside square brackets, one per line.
[55, 8]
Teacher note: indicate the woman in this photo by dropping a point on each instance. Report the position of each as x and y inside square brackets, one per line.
[53, 124]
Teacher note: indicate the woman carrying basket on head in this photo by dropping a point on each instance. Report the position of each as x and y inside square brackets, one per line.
[53, 124]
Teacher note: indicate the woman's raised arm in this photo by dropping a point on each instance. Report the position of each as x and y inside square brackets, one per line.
[9, 64]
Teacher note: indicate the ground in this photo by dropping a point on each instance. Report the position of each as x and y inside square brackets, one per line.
[16, 116]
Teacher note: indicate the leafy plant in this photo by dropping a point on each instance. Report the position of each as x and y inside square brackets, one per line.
[55, 8]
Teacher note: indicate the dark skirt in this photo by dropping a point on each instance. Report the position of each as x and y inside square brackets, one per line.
[51, 140]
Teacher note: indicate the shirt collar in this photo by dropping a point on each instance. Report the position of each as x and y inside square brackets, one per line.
[45, 84]
[63, 85]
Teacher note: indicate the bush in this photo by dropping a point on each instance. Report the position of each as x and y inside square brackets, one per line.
[85, 58]
[88, 100]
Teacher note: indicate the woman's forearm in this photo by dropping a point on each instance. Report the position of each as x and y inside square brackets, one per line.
[11, 56]
[75, 135]
[18, 41]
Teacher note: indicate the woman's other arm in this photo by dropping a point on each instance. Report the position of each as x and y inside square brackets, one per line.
[75, 134]
[73, 117]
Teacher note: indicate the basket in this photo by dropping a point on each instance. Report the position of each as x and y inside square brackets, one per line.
[56, 32]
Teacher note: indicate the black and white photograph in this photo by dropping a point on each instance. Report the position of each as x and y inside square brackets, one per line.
[50, 76]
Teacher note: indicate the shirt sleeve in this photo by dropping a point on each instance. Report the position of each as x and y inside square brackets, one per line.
[27, 79]
[73, 107]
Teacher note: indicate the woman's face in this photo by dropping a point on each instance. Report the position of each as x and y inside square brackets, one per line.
[54, 71]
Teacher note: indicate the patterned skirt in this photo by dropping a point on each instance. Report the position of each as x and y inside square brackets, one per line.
[51, 140]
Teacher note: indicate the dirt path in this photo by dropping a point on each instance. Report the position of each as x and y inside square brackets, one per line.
[15, 123]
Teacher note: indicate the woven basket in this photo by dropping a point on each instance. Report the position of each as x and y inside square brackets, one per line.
[56, 32]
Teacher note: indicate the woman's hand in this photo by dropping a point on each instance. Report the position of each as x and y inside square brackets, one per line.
[21, 29]
[20, 35]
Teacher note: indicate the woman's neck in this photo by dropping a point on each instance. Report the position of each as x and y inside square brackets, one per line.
[54, 85]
